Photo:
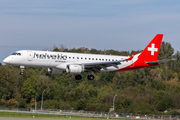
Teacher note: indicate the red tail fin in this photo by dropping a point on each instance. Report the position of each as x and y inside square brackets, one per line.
[150, 53]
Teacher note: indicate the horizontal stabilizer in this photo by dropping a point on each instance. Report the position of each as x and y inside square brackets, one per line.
[160, 61]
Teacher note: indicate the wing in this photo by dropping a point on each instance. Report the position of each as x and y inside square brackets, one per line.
[99, 65]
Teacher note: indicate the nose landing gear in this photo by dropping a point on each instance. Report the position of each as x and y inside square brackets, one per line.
[22, 70]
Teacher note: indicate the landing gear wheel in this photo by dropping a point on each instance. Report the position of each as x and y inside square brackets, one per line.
[90, 77]
[22, 70]
[21, 73]
[78, 77]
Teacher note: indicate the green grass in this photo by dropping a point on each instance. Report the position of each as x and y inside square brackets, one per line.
[42, 116]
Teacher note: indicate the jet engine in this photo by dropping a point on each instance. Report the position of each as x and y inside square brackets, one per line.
[75, 69]
[55, 71]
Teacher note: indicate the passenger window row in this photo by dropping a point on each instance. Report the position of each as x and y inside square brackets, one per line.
[93, 59]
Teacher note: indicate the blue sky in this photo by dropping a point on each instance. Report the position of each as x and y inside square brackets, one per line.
[100, 24]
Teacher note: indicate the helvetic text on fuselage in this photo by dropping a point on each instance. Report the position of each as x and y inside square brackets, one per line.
[50, 56]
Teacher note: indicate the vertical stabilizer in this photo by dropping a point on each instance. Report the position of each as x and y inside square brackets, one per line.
[150, 53]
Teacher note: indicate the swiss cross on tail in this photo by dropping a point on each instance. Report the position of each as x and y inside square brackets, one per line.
[152, 49]
[150, 53]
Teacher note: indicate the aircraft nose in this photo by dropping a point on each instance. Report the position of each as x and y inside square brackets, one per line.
[6, 60]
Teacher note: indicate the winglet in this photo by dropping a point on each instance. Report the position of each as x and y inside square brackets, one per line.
[130, 58]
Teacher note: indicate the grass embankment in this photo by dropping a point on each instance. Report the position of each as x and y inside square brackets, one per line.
[42, 116]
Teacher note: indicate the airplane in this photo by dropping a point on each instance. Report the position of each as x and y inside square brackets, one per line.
[77, 63]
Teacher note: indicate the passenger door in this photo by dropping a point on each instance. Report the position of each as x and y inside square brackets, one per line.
[30, 55]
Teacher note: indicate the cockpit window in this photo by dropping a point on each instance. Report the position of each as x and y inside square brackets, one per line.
[16, 54]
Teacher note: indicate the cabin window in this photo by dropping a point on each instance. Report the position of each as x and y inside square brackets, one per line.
[96, 59]
[85, 58]
[81, 58]
[77, 57]
[69, 57]
[89, 58]
[73, 57]
[92, 58]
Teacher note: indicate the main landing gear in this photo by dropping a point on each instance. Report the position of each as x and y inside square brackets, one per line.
[89, 77]
[78, 77]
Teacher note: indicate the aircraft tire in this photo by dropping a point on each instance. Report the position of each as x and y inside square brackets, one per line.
[90, 77]
[21, 73]
[78, 77]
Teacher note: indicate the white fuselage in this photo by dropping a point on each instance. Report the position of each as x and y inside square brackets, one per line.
[60, 60]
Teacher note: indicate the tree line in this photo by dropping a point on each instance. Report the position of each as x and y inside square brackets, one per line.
[148, 90]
